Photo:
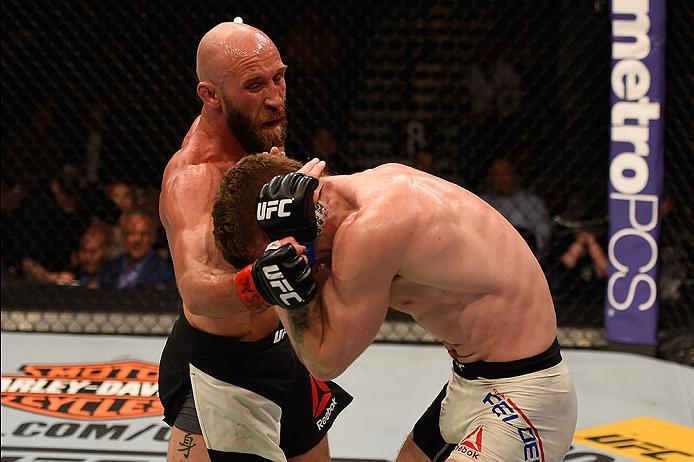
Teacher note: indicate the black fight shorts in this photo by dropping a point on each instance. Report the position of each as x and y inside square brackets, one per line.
[250, 397]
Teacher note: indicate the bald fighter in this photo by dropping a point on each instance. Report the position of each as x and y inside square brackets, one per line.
[395, 236]
[230, 383]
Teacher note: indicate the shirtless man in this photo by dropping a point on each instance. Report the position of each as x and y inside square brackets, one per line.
[228, 372]
[395, 236]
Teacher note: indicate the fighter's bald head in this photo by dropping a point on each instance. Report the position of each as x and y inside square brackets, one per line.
[227, 42]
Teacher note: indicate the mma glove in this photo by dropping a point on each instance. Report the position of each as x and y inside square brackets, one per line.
[285, 207]
[280, 277]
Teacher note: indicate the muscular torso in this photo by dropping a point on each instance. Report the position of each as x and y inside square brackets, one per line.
[190, 182]
[464, 274]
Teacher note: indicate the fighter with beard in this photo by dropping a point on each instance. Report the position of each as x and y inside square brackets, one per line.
[231, 386]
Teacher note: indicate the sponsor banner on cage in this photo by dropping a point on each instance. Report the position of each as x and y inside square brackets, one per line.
[635, 169]
[61, 401]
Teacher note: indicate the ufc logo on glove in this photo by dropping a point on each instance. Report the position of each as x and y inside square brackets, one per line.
[265, 210]
[277, 280]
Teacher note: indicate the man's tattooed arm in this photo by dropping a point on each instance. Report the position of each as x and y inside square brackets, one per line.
[301, 320]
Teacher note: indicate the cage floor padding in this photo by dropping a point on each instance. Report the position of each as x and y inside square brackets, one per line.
[56, 406]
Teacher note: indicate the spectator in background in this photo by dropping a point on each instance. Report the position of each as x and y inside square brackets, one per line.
[94, 249]
[585, 244]
[140, 266]
[520, 207]
[88, 260]
[577, 277]
[123, 195]
[578, 263]
[52, 218]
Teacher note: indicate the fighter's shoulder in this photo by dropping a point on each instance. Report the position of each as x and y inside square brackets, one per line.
[183, 169]
[184, 182]
[393, 175]
[392, 168]
[374, 230]
[383, 207]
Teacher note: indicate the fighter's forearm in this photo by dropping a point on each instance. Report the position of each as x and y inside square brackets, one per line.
[305, 327]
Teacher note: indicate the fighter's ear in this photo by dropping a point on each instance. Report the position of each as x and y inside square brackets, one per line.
[207, 92]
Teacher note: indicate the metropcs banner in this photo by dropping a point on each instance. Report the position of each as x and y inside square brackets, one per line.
[637, 103]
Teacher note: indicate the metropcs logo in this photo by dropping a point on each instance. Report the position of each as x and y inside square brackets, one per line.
[116, 390]
[321, 396]
[633, 113]
[266, 209]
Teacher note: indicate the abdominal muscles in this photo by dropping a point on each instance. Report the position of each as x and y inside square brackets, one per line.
[479, 327]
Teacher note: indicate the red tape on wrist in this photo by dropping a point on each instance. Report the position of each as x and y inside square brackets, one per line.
[245, 288]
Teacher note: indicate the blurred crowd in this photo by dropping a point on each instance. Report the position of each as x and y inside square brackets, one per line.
[69, 227]
[71, 231]
[77, 210]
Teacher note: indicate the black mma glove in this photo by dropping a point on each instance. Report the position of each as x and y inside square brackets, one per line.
[282, 277]
[285, 207]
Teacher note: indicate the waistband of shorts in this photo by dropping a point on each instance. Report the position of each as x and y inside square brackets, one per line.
[229, 346]
[488, 370]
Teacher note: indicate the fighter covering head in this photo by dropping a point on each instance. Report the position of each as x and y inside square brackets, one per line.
[234, 213]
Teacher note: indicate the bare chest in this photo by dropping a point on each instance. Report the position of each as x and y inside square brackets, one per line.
[427, 304]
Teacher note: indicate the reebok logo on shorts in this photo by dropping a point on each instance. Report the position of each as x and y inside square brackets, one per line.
[320, 392]
[321, 396]
[471, 445]
[506, 410]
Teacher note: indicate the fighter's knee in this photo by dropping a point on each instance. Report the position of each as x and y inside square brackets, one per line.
[410, 452]
[318, 453]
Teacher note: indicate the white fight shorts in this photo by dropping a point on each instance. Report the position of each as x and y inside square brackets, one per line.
[517, 411]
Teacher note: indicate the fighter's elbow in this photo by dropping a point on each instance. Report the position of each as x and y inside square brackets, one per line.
[326, 368]
[186, 293]
[194, 308]
[325, 372]
[193, 300]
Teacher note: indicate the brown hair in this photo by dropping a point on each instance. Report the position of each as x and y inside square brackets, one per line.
[236, 231]
[151, 218]
[98, 227]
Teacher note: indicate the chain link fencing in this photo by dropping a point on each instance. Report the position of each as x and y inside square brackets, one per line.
[507, 99]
